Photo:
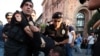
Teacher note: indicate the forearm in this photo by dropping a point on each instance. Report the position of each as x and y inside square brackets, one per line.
[64, 41]
[96, 24]
[74, 37]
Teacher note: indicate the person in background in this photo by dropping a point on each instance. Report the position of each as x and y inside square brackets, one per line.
[33, 15]
[78, 42]
[69, 46]
[6, 27]
[90, 42]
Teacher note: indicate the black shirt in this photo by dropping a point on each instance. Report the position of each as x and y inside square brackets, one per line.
[6, 28]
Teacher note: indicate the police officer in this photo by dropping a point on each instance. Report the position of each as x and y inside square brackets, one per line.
[57, 30]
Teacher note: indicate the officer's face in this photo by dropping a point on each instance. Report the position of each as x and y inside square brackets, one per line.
[93, 4]
[57, 22]
[27, 8]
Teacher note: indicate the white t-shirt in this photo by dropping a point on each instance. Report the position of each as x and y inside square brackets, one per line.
[91, 40]
[70, 36]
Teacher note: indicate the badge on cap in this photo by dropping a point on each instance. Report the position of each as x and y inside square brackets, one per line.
[63, 31]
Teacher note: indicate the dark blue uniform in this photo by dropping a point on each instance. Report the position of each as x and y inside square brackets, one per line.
[57, 35]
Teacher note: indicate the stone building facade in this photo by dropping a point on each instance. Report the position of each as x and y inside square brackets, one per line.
[77, 14]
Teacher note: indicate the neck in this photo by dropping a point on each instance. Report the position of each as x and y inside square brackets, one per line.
[27, 16]
[57, 27]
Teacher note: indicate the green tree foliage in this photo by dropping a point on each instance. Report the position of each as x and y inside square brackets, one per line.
[42, 27]
[94, 19]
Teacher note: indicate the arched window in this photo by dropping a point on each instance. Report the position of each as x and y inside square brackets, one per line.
[80, 21]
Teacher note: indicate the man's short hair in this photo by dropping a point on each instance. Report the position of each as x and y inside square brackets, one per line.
[70, 28]
[8, 14]
[57, 15]
[24, 1]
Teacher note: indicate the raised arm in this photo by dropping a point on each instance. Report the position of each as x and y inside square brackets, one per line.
[97, 24]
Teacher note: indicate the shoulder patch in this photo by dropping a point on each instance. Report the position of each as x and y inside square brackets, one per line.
[63, 31]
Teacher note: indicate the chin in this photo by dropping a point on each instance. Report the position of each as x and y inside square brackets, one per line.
[28, 14]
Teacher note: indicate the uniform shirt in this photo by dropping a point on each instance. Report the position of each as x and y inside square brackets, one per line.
[57, 35]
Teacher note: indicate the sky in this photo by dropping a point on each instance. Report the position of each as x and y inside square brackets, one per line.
[13, 5]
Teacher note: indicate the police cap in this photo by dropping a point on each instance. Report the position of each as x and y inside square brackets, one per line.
[57, 15]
